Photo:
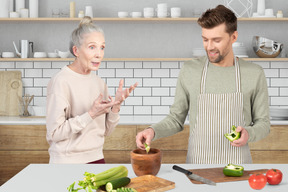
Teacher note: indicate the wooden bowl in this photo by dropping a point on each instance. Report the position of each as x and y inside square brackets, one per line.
[146, 164]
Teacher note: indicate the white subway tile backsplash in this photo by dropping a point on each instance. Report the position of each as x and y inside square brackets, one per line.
[106, 72]
[126, 110]
[33, 91]
[142, 110]
[174, 72]
[151, 101]
[141, 91]
[142, 73]
[44, 90]
[283, 72]
[113, 82]
[151, 64]
[157, 82]
[161, 91]
[124, 73]
[160, 110]
[50, 72]
[115, 64]
[279, 100]
[22, 70]
[169, 64]
[151, 82]
[279, 82]
[172, 91]
[168, 82]
[103, 65]
[5, 65]
[279, 65]
[283, 91]
[268, 81]
[42, 65]
[273, 91]
[133, 101]
[167, 101]
[271, 72]
[24, 65]
[41, 101]
[41, 82]
[264, 65]
[59, 65]
[131, 81]
[112, 91]
[133, 64]
[33, 73]
[160, 73]
[27, 82]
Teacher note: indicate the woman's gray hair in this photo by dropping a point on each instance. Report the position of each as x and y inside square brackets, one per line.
[86, 26]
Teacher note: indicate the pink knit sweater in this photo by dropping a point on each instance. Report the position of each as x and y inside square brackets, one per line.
[73, 136]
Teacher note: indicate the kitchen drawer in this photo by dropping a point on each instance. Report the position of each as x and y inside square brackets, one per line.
[274, 141]
[269, 157]
[122, 138]
[23, 137]
[13, 162]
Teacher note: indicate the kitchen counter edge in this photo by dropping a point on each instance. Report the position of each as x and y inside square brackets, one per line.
[124, 120]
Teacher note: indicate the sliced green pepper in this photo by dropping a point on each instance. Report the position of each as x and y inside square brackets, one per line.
[232, 170]
[234, 135]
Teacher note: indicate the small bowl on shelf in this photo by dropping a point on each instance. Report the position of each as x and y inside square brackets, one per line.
[266, 48]
[52, 55]
[40, 55]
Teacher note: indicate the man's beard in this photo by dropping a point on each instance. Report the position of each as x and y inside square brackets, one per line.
[216, 60]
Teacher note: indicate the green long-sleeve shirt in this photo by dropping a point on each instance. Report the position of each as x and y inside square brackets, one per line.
[219, 80]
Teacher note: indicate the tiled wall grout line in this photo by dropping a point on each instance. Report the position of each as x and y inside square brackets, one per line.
[156, 81]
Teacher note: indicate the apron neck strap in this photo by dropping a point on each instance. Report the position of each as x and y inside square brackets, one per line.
[237, 76]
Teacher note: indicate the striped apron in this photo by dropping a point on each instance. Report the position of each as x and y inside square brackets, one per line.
[215, 117]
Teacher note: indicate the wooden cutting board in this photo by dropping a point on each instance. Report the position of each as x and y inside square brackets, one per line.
[216, 175]
[10, 91]
[149, 183]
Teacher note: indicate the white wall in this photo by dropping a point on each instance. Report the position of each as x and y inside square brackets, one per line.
[138, 39]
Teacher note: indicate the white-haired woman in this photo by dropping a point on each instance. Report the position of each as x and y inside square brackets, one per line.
[80, 112]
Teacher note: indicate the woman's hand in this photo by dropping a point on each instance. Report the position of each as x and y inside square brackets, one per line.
[100, 106]
[121, 94]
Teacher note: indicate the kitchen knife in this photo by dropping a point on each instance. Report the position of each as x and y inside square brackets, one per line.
[193, 176]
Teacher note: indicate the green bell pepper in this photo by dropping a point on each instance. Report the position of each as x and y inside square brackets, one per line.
[233, 135]
[232, 170]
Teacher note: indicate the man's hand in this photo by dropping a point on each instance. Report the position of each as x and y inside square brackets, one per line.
[243, 139]
[145, 136]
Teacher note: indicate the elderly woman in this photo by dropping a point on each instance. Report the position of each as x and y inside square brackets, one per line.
[80, 112]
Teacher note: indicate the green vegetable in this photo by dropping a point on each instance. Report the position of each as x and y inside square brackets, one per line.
[117, 183]
[93, 182]
[147, 147]
[233, 135]
[124, 189]
[232, 170]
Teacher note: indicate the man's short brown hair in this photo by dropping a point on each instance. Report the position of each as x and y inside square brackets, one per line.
[214, 17]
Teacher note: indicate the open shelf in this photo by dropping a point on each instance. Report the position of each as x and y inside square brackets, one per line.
[131, 19]
[127, 59]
